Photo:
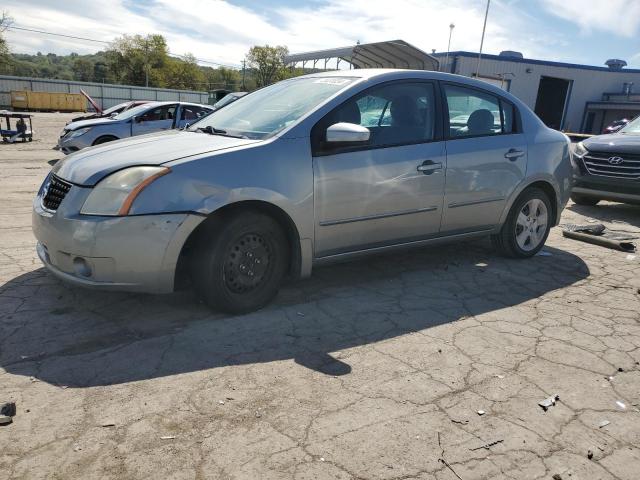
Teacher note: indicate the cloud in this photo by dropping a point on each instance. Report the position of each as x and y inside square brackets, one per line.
[222, 31]
[620, 17]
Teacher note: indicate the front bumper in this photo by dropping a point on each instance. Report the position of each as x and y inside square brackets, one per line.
[604, 188]
[69, 145]
[134, 253]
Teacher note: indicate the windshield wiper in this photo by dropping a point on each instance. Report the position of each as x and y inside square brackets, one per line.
[218, 131]
[212, 130]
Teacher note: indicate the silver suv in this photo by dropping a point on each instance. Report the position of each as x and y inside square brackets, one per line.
[306, 171]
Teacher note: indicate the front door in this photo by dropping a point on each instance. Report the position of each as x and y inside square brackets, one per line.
[154, 120]
[486, 159]
[389, 190]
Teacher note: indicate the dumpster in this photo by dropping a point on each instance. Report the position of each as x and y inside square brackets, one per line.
[48, 101]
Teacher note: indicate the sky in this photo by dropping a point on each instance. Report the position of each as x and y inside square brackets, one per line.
[575, 31]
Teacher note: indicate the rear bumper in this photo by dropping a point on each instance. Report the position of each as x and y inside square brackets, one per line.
[136, 253]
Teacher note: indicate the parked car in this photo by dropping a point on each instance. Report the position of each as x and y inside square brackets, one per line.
[116, 109]
[288, 177]
[228, 99]
[615, 126]
[147, 118]
[608, 167]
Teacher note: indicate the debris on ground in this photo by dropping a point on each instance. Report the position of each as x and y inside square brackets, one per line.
[589, 454]
[620, 369]
[549, 402]
[603, 423]
[460, 422]
[167, 437]
[597, 235]
[621, 404]
[108, 423]
[8, 409]
[557, 476]
[487, 446]
[443, 461]
[5, 420]
[481, 412]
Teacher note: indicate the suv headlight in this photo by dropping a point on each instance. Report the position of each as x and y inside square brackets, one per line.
[78, 132]
[114, 194]
[580, 150]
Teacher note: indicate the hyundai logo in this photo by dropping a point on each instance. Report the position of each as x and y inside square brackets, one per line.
[615, 160]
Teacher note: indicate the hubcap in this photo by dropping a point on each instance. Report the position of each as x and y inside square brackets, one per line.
[531, 224]
[247, 263]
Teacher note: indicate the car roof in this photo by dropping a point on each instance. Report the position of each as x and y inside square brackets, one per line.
[382, 74]
[159, 104]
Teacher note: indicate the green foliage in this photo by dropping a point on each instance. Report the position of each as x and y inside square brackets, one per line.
[267, 63]
[5, 59]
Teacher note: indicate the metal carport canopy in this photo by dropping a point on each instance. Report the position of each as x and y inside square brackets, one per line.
[391, 54]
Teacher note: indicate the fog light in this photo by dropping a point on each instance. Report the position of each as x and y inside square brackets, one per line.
[81, 267]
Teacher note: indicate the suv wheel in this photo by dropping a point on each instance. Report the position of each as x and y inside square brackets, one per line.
[238, 265]
[527, 226]
[583, 200]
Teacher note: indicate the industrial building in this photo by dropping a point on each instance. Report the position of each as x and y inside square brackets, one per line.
[566, 96]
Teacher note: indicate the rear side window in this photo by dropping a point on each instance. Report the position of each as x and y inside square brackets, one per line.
[473, 113]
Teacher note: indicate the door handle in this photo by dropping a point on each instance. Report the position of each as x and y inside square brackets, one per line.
[429, 166]
[513, 154]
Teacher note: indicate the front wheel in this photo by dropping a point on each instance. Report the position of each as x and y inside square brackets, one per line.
[238, 265]
[527, 226]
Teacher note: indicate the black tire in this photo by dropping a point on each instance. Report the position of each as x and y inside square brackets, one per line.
[584, 200]
[104, 139]
[239, 262]
[505, 241]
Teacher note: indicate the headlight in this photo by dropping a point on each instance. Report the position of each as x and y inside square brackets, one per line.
[580, 150]
[115, 194]
[78, 132]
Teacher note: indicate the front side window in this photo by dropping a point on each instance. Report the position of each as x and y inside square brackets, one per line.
[267, 111]
[473, 113]
[395, 114]
[166, 112]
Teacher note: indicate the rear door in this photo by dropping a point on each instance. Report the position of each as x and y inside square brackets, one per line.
[486, 157]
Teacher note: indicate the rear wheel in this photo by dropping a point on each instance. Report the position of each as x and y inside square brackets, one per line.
[584, 200]
[239, 263]
[104, 139]
[527, 226]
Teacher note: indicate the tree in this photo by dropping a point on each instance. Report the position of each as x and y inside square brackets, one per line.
[82, 69]
[267, 62]
[184, 74]
[137, 60]
[5, 57]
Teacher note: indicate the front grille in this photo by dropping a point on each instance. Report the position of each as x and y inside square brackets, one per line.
[55, 191]
[599, 164]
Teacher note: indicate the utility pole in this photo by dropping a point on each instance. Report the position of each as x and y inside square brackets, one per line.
[244, 62]
[484, 27]
[446, 58]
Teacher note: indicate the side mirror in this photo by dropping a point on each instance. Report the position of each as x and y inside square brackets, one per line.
[347, 132]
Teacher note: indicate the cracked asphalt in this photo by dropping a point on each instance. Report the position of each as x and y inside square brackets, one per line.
[368, 370]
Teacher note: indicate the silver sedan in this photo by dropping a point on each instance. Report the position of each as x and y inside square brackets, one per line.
[314, 169]
[146, 118]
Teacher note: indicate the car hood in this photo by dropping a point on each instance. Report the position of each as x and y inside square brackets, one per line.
[89, 123]
[614, 143]
[88, 166]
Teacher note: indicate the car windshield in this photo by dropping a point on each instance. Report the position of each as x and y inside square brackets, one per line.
[230, 98]
[632, 127]
[132, 112]
[272, 109]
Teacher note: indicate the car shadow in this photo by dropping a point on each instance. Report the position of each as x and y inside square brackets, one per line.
[73, 337]
[610, 212]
